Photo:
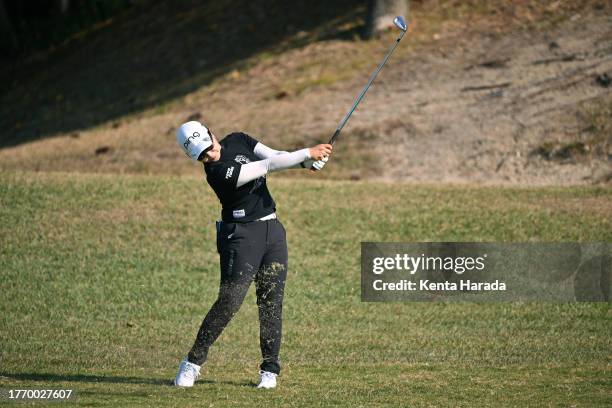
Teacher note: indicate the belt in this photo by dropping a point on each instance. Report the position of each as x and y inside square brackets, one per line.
[267, 217]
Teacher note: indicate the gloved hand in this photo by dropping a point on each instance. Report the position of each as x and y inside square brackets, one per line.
[318, 165]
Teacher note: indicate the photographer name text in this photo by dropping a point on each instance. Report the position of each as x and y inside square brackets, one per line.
[413, 264]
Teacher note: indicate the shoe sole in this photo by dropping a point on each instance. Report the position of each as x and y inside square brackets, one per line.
[182, 386]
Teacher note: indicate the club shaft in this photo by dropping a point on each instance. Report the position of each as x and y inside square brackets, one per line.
[365, 89]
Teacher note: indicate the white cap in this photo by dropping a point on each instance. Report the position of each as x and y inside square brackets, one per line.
[193, 138]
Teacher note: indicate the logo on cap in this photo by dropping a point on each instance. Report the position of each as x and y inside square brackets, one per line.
[188, 141]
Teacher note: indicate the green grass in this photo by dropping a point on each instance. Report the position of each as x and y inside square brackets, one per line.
[105, 279]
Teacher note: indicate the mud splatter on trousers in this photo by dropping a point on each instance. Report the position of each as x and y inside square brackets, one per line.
[253, 251]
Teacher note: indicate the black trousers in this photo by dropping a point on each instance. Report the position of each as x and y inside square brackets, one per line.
[248, 251]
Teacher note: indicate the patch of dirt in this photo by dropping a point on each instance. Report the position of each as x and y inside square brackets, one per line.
[474, 111]
[468, 109]
[519, 107]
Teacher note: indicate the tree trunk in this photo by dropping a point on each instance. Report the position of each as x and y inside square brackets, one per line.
[381, 14]
[63, 6]
[7, 33]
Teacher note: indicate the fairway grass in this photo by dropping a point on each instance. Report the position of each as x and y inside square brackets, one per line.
[105, 280]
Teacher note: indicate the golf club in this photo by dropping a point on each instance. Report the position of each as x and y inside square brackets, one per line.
[399, 23]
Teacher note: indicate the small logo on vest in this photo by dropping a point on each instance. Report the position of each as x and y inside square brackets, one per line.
[238, 213]
[229, 172]
[242, 159]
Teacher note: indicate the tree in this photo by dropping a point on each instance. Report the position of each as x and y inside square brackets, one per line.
[63, 6]
[381, 14]
[7, 33]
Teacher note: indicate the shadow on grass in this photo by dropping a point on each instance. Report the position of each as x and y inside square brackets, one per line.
[111, 379]
[152, 55]
[246, 384]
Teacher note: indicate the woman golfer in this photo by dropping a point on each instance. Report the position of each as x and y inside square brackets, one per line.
[251, 240]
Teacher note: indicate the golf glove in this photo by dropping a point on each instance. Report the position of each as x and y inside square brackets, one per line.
[318, 165]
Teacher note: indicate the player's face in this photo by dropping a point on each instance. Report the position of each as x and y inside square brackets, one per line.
[214, 153]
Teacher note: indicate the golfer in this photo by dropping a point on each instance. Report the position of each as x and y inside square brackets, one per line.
[251, 240]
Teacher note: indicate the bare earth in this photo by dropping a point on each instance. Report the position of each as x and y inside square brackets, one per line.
[468, 110]
[476, 112]
[472, 111]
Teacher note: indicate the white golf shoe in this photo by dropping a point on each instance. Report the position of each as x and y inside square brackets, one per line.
[187, 374]
[267, 380]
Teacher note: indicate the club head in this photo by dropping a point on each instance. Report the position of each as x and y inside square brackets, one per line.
[400, 23]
